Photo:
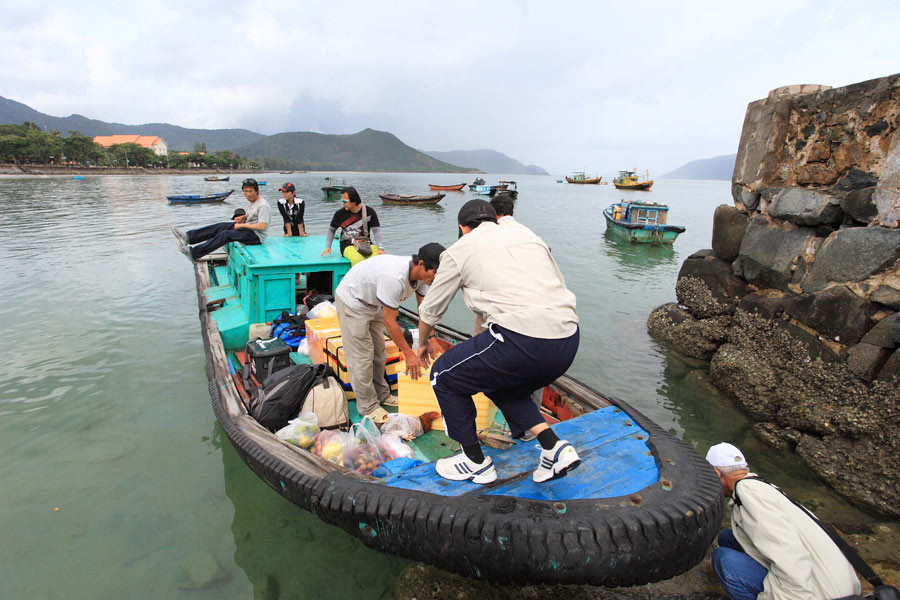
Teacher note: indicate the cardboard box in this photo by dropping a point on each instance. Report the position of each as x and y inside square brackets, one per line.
[334, 356]
[317, 332]
[417, 397]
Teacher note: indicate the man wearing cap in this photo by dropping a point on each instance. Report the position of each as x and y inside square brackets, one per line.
[511, 282]
[368, 301]
[248, 229]
[291, 209]
[774, 549]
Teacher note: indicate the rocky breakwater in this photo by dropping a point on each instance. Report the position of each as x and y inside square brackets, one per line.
[797, 305]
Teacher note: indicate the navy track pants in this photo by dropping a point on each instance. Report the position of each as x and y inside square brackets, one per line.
[507, 367]
[217, 235]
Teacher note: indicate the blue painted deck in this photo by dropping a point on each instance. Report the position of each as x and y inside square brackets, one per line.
[615, 461]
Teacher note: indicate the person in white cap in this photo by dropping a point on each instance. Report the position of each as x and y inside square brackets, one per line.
[775, 549]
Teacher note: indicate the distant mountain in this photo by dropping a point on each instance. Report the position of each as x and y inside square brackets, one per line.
[368, 150]
[177, 138]
[719, 167]
[489, 161]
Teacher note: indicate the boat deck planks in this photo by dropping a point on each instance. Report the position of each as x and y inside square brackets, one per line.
[615, 462]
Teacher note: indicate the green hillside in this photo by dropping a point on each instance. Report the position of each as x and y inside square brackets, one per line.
[718, 167]
[368, 150]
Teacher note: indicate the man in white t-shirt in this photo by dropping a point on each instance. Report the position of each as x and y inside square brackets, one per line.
[368, 300]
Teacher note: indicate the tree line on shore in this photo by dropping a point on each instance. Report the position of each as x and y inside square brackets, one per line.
[29, 144]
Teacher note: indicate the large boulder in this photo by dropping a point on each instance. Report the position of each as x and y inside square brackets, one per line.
[806, 207]
[707, 286]
[852, 254]
[859, 205]
[837, 313]
[729, 226]
[885, 333]
[696, 338]
[866, 360]
[887, 295]
[890, 372]
[769, 253]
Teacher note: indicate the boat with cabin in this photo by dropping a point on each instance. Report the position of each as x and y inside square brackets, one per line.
[630, 180]
[581, 178]
[446, 188]
[216, 178]
[199, 198]
[334, 188]
[478, 181]
[644, 506]
[405, 199]
[642, 222]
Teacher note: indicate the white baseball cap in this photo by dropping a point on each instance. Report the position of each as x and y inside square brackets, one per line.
[726, 456]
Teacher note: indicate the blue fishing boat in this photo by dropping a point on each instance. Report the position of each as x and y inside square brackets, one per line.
[478, 181]
[199, 198]
[643, 507]
[642, 222]
[334, 188]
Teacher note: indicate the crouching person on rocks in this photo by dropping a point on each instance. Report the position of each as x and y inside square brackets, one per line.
[528, 338]
[367, 301]
[775, 548]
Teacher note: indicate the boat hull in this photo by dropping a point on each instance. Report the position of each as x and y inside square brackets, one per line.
[589, 181]
[650, 535]
[639, 187]
[198, 199]
[400, 199]
[642, 233]
[333, 192]
[446, 188]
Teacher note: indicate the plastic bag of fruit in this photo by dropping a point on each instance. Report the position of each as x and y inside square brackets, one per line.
[362, 452]
[300, 431]
[330, 444]
[393, 447]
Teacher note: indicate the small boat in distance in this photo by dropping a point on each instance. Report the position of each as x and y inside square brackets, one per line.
[629, 180]
[333, 189]
[642, 222]
[401, 199]
[580, 177]
[446, 188]
[199, 198]
[216, 178]
[478, 181]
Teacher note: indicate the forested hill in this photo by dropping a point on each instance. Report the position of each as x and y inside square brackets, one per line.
[718, 167]
[177, 138]
[489, 161]
[368, 150]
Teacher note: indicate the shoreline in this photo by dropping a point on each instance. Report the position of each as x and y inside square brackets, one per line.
[40, 170]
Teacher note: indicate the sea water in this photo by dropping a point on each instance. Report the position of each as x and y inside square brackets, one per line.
[115, 479]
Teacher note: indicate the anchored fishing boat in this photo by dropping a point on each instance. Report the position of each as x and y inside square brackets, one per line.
[446, 188]
[643, 506]
[334, 188]
[580, 177]
[401, 199]
[643, 222]
[199, 198]
[478, 181]
[216, 178]
[629, 180]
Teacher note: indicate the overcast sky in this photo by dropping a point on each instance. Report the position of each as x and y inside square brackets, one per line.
[595, 86]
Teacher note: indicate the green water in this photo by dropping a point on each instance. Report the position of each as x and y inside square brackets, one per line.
[104, 410]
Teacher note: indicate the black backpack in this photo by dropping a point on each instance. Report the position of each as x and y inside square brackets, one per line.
[279, 399]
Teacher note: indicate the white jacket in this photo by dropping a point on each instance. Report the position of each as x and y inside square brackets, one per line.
[508, 277]
[803, 562]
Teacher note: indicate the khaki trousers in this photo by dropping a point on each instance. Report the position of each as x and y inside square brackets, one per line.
[362, 333]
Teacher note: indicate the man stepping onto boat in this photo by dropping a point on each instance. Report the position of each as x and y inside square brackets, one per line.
[368, 300]
[356, 234]
[248, 229]
[526, 338]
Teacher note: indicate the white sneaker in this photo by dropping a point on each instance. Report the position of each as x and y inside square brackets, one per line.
[182, 236]
[460, 468]
[556, 462]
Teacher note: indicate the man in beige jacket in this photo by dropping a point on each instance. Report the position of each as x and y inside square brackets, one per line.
[775, 550]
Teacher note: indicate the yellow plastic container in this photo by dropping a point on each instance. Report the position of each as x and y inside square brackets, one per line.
[417, 397]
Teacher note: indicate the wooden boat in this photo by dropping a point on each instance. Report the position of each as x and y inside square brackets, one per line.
[580, 177]
[401, 199]
[199, 198]
[643, 506]
[216, 178]
[629, 180]
[332, 189]
[478, 181]
[506, 188]
[643, 222]
[446, 188]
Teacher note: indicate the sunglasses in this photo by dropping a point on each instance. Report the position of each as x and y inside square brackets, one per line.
[249, 182]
